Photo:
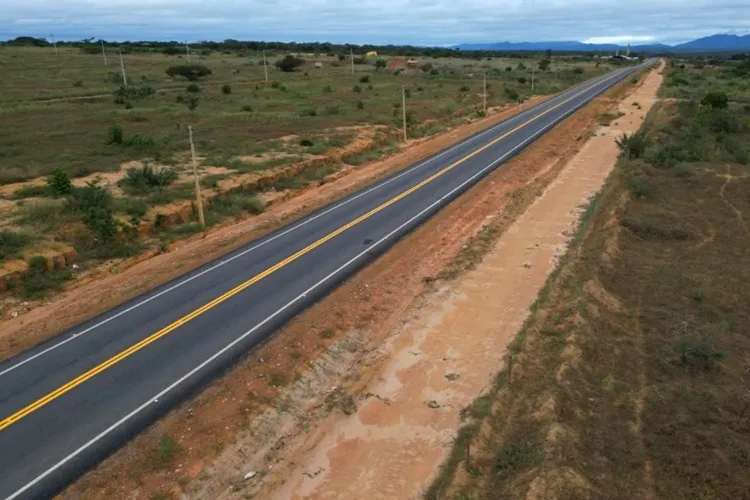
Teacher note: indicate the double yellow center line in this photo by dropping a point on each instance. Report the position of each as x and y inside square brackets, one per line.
[5, 423]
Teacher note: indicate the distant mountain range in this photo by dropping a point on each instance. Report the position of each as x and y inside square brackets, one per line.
[713, 43]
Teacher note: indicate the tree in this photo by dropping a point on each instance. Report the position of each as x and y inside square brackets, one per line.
[289, 63]
[716, 100]
[380, 64]
[59, 182]
[190, 72]
[544, 64]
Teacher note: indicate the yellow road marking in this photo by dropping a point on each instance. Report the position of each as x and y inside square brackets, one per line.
[234, 291]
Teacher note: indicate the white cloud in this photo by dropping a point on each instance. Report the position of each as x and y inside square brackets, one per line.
[422, 22]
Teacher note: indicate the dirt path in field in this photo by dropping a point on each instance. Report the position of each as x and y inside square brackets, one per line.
[446, 351]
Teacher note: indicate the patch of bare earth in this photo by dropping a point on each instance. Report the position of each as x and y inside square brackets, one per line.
[288, 395]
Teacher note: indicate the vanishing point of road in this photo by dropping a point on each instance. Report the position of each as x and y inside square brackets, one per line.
[69, 402]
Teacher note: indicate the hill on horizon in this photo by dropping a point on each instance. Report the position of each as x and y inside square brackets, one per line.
[710, 43]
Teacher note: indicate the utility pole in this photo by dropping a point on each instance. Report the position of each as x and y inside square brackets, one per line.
[351, 52]
[484, 96]
[104, 53]
[187, 50]
[122, 68]
[198, 199]
[54, 44]
[532, 79]
[265, 66]
[403, 107]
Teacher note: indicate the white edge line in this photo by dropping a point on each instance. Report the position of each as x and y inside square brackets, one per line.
[269, 240]
[239, 339]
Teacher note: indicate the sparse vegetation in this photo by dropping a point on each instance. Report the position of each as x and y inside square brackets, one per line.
[190, 72]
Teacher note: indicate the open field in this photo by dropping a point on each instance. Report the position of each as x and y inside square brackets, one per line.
[629, 380]
[319, 119]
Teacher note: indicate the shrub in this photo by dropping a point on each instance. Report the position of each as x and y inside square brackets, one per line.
[434, 72]
[632, 146]
[94, 205]
[193, 87]
[327, 89]
[509, 68]
[694, 352]
[31, 191]
[11, 242]
[716, 100]
[364, 79]
[59, 182]
[289, 63]
[36, 280]
[464, 88]
[190, 72]
[380, 64]
[140, 142]
[578, 70]
[146, 178]
[522, 80]
[357, 89]
[306, 143]
[275, 84]
[308, 112]
[226, 89]
[115, 135]
[192, 102]
[133, 92]
[426, 67]
[247, 108]
[78, 83]
[512, 94]
[360, 104]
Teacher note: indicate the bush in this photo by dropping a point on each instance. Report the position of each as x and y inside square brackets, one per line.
[140, 142]
[192, 102]
[327, 89]
[193, 87]
[364, 79]
[133, 92]
[59, 182]
[289, 63]
[426, 67]
[357, 89]
[360, 105]
[146, 178]
[632, 146]
[31, 191]
[509, 68]
[11, 242]
[115, 135]
[78, 83]
[94, 205]
[380, 64]
[308, 112]
[464, 88]
[190, 72]
[716, 100]
[37, 280]
[306, 143]
[578, 70]
[247, 108]
[694, 351]
[522, 80]
[512, 94]
[226, 89]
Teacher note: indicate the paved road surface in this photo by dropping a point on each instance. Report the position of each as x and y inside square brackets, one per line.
[71, 401]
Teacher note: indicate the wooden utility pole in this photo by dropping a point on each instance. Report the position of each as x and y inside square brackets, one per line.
[484, 96]
[198, 199]
[122, 68]
[187, 50]
[104, 53]
[403, 107]
[54, 44]
[351, 53]
[532, 79]
[265, 66]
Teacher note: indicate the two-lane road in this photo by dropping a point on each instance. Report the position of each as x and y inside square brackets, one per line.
[69, 402]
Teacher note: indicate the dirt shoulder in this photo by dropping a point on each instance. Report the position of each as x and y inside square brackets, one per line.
[315, 368]
[630, 378]
[116, 281]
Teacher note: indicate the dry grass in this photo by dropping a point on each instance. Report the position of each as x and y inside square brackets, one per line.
[630, 378]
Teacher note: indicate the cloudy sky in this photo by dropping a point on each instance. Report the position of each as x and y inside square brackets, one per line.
[418, 22]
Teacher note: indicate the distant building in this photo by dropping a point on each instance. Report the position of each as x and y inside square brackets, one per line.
[372, 53]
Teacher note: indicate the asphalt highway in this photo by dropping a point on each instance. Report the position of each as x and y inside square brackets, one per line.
[71, 401]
